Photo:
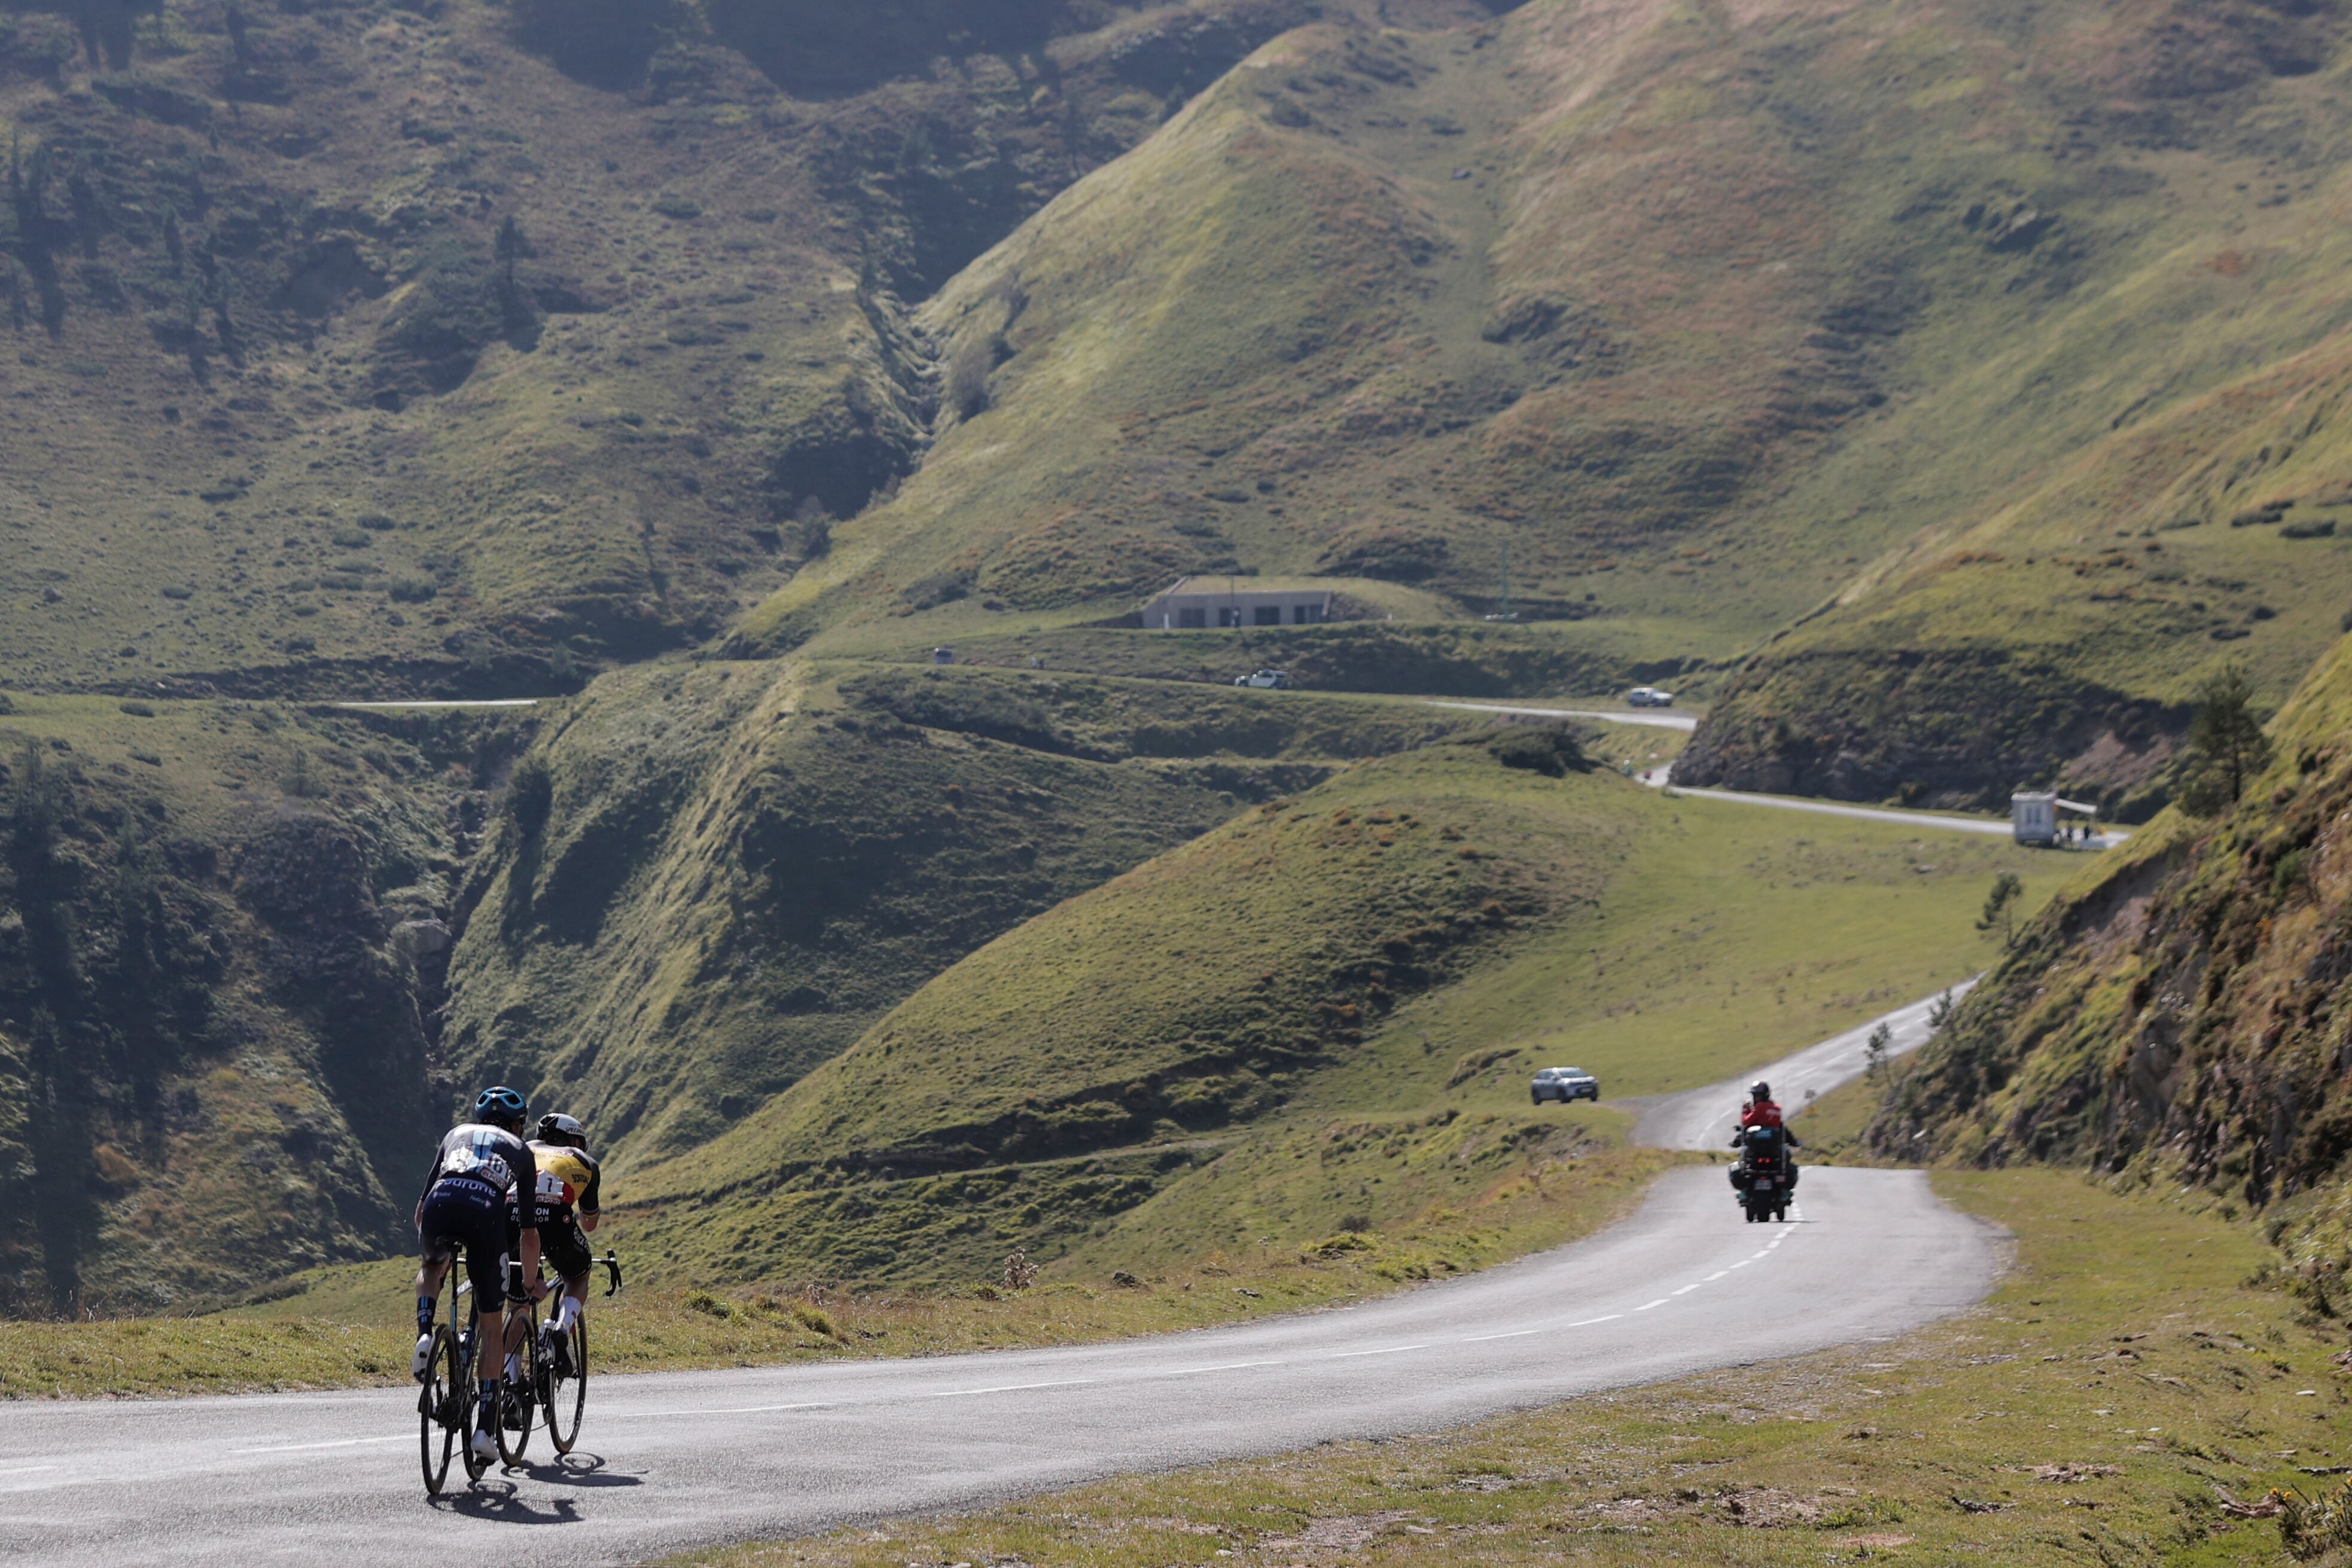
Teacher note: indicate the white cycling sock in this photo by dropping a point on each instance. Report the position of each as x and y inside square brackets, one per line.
[566, 1310]
[514, 1369]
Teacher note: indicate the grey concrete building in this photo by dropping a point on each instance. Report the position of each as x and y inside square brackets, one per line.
[1207, 603]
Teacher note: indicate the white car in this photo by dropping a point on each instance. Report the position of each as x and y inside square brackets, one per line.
[1649, 696]
[1564, 1084]
[1265, 680]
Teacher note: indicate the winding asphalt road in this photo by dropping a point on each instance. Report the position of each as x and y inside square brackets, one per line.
[1706, 1118]
[678, 1460]
[686, 1459]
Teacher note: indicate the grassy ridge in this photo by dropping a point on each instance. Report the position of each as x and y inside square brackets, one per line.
[1934, 320]
[2177, 1012]
[740, 868]
[2116, 1391]
[1343, 976]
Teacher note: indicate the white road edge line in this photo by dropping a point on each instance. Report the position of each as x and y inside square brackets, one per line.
[1719, 1274]
[1645, 1306]
[1391, 1350]
[1194, 1371]
[729, 1410]
[1012, 1387]
[1610, 1319]
[1687, 1290]
[1515, 1333]
[27, 1469]
[304, 1448]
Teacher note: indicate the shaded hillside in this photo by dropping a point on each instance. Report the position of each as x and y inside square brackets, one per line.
[2181, 1011]
[2057, 641]
[271, 328]
[1327, 1008]
[1696, 317]
[734, 871]
[213, 1068]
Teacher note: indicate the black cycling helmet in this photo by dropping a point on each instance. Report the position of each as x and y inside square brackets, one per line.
[555, 1127]
[1759, 1089]
[500, 1107]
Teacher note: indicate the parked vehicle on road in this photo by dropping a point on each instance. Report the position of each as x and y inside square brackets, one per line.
[1265, 681]
[1564, 1084]
[1649, 696]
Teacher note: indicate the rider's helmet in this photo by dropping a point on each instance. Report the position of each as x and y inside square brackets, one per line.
[500, 1107]
[1759, 1090]
[555, 1127]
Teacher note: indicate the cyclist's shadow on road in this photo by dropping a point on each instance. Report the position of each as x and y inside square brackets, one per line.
[501, 1501]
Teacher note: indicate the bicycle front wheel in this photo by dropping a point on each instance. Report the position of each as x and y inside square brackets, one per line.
[439, 1424]
[567, 1397]
[519, 1397]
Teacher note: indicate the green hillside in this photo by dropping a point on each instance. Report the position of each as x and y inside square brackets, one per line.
[271, 333]
[212, 1063]
[1697, 323]
[734, 870]
[1934, 392]
[2176, 1014]
[1327, 1008]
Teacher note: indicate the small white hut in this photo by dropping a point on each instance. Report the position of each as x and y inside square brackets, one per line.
[2033, 815]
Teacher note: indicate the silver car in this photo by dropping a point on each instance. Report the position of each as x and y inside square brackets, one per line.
[1649, 696]
[1564, 1084]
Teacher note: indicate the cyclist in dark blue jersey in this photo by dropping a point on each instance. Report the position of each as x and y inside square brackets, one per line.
[479, 1167]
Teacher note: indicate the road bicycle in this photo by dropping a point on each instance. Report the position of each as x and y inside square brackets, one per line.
[446, 1410]
[447, 1413]
[559, 1380]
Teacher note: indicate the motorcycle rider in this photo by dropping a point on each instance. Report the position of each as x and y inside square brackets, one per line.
[476, 1165]
[1761, 1111]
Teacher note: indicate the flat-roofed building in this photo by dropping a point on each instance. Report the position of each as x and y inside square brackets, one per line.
[1209, 603]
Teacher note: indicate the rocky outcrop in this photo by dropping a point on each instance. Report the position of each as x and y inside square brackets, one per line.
[1956, 729]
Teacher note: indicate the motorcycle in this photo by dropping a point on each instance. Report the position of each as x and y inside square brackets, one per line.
[1765, 1176]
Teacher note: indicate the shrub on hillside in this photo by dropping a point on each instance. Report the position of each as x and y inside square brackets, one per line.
[967, 376]
[530, 794]
[604, 42]
[1552, 751]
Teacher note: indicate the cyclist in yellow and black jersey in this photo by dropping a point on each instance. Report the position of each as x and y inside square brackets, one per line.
[568, 1198]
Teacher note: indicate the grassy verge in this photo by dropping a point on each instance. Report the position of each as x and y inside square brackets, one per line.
[2120, 1391]
[348, 1326]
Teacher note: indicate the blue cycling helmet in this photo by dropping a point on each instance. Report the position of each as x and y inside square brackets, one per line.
[500, 1107]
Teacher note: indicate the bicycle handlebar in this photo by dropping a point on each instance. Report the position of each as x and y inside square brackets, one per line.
[612, 1271]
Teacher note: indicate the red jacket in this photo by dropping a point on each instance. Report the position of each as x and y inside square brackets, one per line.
[1759, 1114]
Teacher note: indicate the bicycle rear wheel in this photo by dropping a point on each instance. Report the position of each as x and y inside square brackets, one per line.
[439, 1403]
[566, 1398]
[517, 1396]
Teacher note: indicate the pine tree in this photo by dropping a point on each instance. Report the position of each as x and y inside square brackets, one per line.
[2227, 737]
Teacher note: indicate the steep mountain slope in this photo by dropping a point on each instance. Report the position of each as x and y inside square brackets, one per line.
[271, 329]
[213, 1068]
[2189, 368]
[2181, 1013]
[1326, 1007]
[732, 871]
[1693, 318]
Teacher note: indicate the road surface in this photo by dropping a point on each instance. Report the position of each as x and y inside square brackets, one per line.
[1990, 827]
[688, 1459]
[1650, 716]
[1706, 1118]
[430, 703]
